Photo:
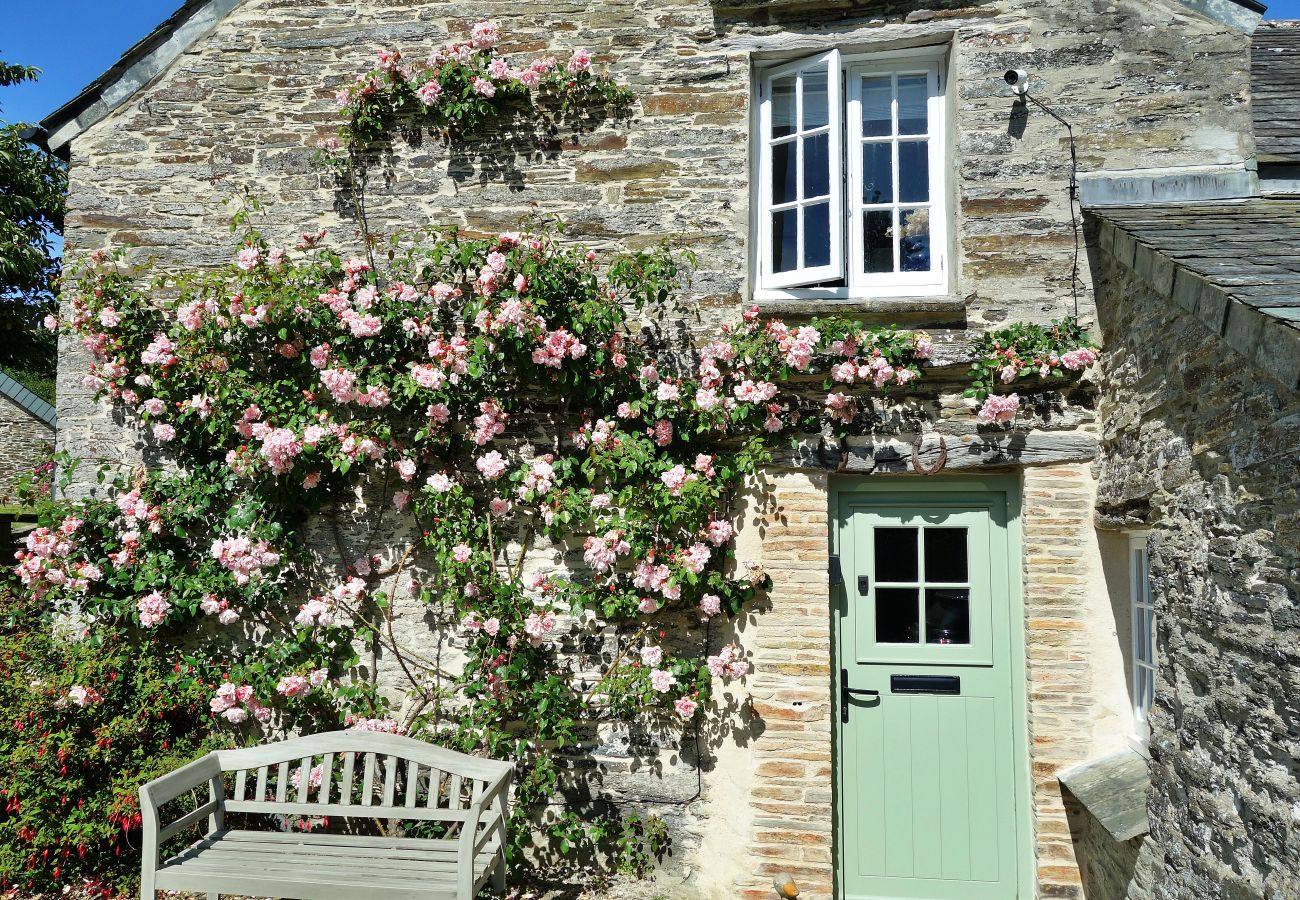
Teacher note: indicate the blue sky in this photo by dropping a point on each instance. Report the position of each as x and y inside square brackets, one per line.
[72, 41]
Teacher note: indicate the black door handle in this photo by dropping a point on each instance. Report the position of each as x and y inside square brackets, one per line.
[846, 692]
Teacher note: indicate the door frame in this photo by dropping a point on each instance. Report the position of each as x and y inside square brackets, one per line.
[1010, 485]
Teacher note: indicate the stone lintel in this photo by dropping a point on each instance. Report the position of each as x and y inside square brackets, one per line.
[893, 455]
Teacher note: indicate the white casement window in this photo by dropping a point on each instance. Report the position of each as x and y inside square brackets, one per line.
[1144, 635]
[851, 191]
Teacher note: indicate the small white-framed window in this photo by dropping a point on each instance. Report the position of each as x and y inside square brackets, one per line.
[851, 194]
[1143, 635]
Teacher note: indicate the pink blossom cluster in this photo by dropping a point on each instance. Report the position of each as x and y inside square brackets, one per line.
[243, 557]
[45, 564]
[602, 553]
[153, 608]
[236, 703]
[1079, 358]
[315, 777]
[728, 663]
[472, 622]
[83, 696]
[212, 605]
[540, 477]
[1000, 409]
[557, 345]
[383, 726]
[280, 447]
[301, 685]
[538, 626]
[490, 422]
[710, 606]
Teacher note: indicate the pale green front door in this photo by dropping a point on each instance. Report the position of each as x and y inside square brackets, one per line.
[927, 765]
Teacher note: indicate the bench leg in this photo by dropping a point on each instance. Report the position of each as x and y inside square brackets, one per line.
[213, 895]
[499, 874]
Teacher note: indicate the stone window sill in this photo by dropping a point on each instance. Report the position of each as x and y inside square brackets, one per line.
[1114, 790]
[934, 311]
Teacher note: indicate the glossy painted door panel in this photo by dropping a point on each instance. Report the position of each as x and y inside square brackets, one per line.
[927, 766]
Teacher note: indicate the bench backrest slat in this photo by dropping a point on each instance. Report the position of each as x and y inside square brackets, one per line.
[327, 778]
[390, 779]
[304, 778]
[241, 783]
[282, 782]
[261, 783]
[412, 783]
[345, 788]
[368, 781]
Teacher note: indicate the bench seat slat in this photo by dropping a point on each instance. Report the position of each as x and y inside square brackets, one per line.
[377, 848]
[303, 887]
[331, 841]
[236, 860]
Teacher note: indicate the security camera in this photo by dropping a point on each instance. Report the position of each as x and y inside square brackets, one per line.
[1018, 79]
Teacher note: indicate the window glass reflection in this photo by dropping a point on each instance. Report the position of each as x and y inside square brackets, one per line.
[783, 106]
[897, 616]
[947, 615]
[896, 554]
[945, 555]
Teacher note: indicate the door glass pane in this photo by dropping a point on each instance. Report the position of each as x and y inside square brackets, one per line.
[785, 240]
[783, 106]
[816, 166]
[915, 241]
[814, 99]
[817, 235]
[913, 98]
[896, 616]
[913, 171]
[947, 615]
[1142, 634]
[895, 554]
[877, 173]
[878, 241]
[784, 185]
[945, 555]
[877, 102]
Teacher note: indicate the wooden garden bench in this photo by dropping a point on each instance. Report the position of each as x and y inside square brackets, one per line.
[381, 778]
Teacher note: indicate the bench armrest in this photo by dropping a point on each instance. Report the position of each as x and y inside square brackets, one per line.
[204, 770]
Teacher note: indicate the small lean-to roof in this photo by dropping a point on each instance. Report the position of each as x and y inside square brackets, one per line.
[1275, 91]
[196, 18]
[27, 401]
[1235, 265]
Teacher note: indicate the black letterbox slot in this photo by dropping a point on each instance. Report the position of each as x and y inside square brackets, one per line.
[924, 684]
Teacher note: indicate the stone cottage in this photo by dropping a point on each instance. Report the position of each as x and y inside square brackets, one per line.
[1081, 631]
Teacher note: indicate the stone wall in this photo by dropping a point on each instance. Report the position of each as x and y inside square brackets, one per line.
[1204, 449]
[24, 439]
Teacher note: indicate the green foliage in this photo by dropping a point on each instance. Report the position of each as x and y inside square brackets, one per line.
[1058, 350]
[33, 185]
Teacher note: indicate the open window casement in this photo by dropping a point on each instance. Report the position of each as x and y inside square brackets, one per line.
[850, 199]
[801, 183]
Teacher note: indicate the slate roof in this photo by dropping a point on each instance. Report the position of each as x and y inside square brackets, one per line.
[28, 401]
[1275, 87]
[1233, 264]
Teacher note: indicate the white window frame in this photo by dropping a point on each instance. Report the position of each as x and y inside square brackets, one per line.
[835, 123]
[1143, 623]
[846, 228]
